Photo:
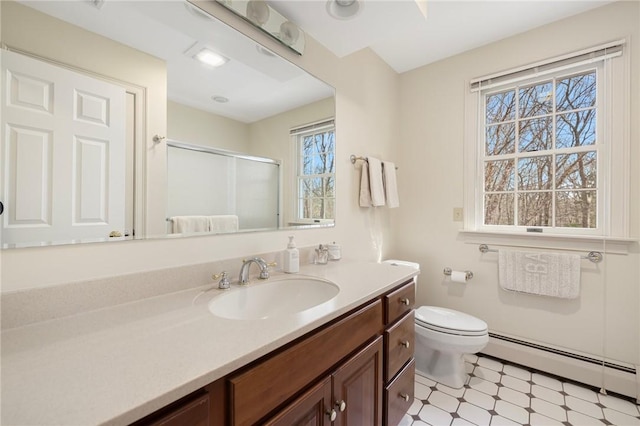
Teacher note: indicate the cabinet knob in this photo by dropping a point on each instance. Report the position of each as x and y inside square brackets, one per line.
[405, 301]
[332, 415]
[404, 396]
[341, 405]
[406, 344]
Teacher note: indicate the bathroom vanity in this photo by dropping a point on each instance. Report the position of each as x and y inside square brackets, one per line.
[168, 360]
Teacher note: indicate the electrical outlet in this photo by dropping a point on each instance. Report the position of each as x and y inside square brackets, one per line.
[457, 214]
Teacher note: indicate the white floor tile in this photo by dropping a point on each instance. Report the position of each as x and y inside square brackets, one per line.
[487, 374]
[469, 367]
[579, 419]
[580, 392]
[501, 421]
[517, 372]
[540, 420]
[421, 391]
[584, 407]
[547, 394]
[435, 416]
[512, 412]
[483, 386]
[618, 418]
[548, 409]
[514, 397]
[472, 358]
[503, 395]
[444, 401]
[546, 381]
[516, 384]
[618, 404]
[490, 363]
[475, 415]
[480, 399]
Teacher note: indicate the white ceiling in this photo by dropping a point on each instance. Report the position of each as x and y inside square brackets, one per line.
[402, 36]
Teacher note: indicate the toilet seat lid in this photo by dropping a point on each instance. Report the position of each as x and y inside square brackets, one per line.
[449, 321]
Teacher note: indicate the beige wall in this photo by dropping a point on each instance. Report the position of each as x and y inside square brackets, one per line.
[366, 105]
[190, 125]
[604, 320]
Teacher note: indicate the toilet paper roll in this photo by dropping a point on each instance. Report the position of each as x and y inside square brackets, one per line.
[459, 276]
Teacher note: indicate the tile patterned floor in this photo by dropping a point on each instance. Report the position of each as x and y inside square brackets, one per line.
[502, 394]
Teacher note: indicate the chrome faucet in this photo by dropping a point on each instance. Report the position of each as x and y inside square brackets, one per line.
[246, 264]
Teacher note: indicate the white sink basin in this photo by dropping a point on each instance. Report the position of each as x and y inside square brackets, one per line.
[273, 298]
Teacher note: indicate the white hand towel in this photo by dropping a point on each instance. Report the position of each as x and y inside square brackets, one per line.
[545, 274]
[187, 224]
[365, 192]
[390, 184]
[223, 223]
[375, 182]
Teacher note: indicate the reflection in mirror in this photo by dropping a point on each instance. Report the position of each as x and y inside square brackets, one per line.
[86, 86]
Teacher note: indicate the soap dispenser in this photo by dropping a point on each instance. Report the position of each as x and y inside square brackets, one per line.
[291, 261]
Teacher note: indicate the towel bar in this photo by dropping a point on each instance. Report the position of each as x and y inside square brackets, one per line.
[592, 256]
[355, 158]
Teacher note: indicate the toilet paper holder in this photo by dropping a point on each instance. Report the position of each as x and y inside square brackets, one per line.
[448, 271]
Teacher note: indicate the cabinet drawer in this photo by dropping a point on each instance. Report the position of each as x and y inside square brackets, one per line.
[398, 396]
[399, 301]
[192, 410]
[399, 342]
[265, 386]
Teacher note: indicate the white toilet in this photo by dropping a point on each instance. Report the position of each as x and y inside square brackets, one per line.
[443, 337]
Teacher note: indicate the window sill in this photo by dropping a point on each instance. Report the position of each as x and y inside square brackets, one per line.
[614, 245]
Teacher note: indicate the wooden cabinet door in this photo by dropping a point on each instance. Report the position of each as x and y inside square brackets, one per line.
[313, 408]
[357, 388]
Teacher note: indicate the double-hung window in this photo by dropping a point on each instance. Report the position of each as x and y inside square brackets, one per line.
[544, 144]
[315, 180]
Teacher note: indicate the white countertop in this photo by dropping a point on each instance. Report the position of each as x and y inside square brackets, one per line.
[116, 365]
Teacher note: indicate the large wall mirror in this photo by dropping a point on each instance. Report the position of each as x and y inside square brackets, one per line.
[147, 119]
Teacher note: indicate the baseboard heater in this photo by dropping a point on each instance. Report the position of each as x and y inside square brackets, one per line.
[595, 361]
[601, 374]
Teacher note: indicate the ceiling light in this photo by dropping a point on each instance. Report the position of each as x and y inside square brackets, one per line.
[344, 9]
[220, 99]
[211, 58]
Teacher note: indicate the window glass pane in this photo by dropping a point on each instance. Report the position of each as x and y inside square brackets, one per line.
[304, 189]
[305, 208]
[498, 209]
[317, 208]
[534, 209]
[501, 107]
[535, 134]
[501, 139]
[329, 187]
[576, 209]
[576, 170]
[498, 175]
[576, 92]
[534, 173]
[536, 100]
[329, 141]
[330, 209]
[307, 146]
[576, 129]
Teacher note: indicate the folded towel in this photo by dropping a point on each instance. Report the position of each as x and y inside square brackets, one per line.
[365, 192]
[187, 224]
[390, 185]
[375, 182]
[223, 223]
[545, 274]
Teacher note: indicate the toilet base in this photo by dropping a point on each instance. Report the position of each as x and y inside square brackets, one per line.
[442, 367]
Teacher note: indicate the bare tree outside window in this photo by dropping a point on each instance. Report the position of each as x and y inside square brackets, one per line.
[316, 175]
[540, 154]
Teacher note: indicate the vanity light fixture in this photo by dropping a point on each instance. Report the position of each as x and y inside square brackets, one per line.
[211, 58]
[344, 9]
[220, 99]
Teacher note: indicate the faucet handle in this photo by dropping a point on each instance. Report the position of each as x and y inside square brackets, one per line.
[224, 283]
[272, 264]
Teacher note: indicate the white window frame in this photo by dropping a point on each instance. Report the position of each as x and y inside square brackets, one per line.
[297, 135]
[613, 129]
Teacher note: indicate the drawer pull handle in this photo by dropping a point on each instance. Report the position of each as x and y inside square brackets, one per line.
[405, 301]
[405, 344]
[332, 415]
[341, 405]
[404, 396]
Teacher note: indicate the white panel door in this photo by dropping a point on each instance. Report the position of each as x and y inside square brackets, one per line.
[63, 154]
